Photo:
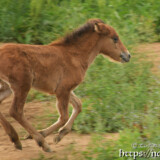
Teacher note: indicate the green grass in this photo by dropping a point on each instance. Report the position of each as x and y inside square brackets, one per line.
[36, 95]
[129, 141]
[42, 157]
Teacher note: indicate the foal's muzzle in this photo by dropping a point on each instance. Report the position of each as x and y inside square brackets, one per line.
[125, 57]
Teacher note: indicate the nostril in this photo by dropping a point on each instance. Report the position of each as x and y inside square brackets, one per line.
[121, 55]
[125, 56]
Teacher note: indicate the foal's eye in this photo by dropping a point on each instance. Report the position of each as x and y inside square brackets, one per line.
[115, 39]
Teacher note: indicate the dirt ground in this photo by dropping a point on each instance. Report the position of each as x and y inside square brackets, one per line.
[73, 142]
[152, 53]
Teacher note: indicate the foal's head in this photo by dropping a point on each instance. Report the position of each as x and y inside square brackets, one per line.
[110, 43]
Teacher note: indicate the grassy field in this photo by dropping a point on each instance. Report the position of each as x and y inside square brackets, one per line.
[116, 98]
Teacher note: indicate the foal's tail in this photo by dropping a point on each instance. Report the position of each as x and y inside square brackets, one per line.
[5, 91]
[11, 132]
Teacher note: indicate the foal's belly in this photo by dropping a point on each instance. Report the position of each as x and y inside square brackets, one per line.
[45, 85]
[48, 89]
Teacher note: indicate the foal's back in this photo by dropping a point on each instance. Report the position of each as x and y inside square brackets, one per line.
[43, 64]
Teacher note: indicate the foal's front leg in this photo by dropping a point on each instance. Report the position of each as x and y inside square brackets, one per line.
[62, 106]
[76, 103]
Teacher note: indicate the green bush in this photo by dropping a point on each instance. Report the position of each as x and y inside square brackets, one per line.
[157, 27]
[40, 22]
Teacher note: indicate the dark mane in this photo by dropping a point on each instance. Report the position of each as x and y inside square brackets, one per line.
[87, 27]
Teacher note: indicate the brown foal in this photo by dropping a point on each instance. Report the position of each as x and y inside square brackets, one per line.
[57, 69]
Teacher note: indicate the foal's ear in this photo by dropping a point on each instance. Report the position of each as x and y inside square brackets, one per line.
[101, 28]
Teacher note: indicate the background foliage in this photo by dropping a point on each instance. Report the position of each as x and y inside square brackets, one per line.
[41, 21]
[115, 97]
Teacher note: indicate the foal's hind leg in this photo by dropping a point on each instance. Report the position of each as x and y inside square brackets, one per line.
[11, 132]
[16, 111]
[76, 103]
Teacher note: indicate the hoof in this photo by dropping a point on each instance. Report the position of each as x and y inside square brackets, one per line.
[57, 139]
[28, 137]
[61, 134]
[46, 148]
[18, 145]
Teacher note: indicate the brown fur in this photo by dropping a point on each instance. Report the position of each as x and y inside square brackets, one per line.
[57, 69]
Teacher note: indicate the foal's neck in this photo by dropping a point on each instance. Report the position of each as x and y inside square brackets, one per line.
[87, 48]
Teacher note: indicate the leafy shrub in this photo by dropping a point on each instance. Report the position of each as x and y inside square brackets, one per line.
[157, 27]
[40, 22]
